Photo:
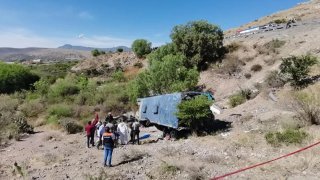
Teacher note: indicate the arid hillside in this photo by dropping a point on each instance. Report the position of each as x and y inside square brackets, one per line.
[271, 118]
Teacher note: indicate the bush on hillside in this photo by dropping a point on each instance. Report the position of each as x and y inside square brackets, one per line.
[247, 75]
[60, 110]
[297, 68]
[240, 97]
[32, 108]
[234, 46]
[161, 52]
[70, 126]
[141, 47]
[231, 65]
[194, 113]
[280, 21]
[275, 79]
[271, 47]
[118, 76]
[256, 68]
[289, 136]
[120, 50]
[95, 52]
[14, 77]
[307, 103]
[63, 88]
[200, 41]
[51, 72]
[11, 123]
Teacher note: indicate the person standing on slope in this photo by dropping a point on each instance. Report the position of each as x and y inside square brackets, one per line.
[101, 130]
[108, 143]
[90, 129]
[123, 131]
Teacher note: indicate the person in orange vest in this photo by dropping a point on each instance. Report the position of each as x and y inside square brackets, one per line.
[108, 143]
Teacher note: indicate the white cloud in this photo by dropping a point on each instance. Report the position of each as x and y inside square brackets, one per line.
[21, 38]
[80, 36]
[85, 15]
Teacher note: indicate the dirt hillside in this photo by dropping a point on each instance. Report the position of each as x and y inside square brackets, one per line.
[51, 154]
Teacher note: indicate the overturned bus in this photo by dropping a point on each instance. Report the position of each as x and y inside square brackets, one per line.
[161, 110]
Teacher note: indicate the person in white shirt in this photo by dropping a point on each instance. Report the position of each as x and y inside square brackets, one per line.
[123, 131]
[100, 131]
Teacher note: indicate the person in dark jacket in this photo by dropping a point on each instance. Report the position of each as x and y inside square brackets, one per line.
[109, 118]
[108, 143]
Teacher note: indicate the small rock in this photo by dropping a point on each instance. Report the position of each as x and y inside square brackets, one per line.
[40, 145]
[55, 147]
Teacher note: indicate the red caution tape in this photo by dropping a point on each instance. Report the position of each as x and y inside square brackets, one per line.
[253, 166]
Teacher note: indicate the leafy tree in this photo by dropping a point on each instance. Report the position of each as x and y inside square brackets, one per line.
[297, 68]
[141, 47]
[14, 77]
[159, 53]
[199, 41]
[95, 52]
[194, 113]
[120, 50]
[165, 76]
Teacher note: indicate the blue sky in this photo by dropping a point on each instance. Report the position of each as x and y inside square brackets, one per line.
[108, 23]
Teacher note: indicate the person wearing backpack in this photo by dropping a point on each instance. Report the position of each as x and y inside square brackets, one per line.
[108, 143]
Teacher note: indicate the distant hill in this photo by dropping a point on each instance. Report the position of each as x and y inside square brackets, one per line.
[83, 48]
[46, 54]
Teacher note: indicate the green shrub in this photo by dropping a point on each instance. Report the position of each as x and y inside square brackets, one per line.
[297, 68]
[289, 136]
[194, 113]
[70, 126]
[141, 47]
[236, 100]
[256, 67]
[240, 97]
[200, 41]
[280, 21]
[51, 72]
[118, 76]
[60, 110]
[14, 77]
[95, 52]
[63, 88]
[42, 87]
[52, 120]
[120, 50]
[32, 108]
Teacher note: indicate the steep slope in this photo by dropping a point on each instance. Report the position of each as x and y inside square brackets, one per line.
[306, 11]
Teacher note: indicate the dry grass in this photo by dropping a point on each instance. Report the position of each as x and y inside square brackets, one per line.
[131, 72]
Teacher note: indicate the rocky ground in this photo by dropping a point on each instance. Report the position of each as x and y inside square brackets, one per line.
[51, 154]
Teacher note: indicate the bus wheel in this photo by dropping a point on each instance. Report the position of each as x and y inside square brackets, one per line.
[174, 133]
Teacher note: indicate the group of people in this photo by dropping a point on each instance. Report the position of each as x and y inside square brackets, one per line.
[110, 134]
